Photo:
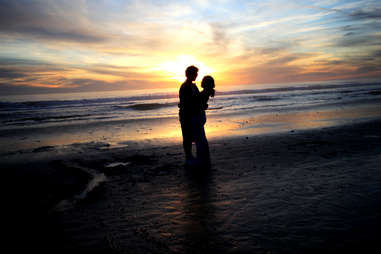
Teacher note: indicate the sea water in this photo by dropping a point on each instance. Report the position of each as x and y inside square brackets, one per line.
[64, 109]
[148, 114]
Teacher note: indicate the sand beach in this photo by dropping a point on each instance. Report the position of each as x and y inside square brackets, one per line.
[300, 191]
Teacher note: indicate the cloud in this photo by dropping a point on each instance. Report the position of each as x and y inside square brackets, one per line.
[77, 85]
[41, 76]
[359, 23]
[377, 53]
[128, 73]
[20, 61]
[29, 72]
[266, 74]
[219, 34]
[284, 64]
[6, 73]
[115, 28]
[72, 35]
[79, 44]
[358, 40]
[47, 20]
[284, 60]
[366, 14]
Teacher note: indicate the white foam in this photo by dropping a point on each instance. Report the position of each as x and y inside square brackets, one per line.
[115, 164]
[69, 203]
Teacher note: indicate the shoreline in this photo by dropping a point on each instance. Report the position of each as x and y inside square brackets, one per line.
[167, 130]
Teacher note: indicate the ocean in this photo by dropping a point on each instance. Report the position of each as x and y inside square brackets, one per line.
[135, 115]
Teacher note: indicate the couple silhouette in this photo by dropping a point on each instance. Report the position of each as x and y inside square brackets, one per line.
[192, 106]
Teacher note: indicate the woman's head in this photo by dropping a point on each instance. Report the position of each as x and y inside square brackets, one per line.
[207, 82]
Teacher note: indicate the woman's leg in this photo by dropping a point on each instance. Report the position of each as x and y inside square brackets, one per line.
[202, 145]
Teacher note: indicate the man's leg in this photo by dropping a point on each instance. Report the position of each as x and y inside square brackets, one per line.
[187, 138]
[187, 145]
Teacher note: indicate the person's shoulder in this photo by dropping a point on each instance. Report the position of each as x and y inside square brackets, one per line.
[185, 86]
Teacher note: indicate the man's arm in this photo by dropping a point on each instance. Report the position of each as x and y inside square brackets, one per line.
[185, 95]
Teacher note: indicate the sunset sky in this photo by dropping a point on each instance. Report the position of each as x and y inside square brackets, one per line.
[79, 45]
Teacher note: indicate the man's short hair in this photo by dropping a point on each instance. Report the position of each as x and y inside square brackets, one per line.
[191, 69]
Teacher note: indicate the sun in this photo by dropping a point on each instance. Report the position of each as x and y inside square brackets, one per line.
[176, 68]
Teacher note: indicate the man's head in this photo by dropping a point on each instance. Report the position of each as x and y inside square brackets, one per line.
[191, 73]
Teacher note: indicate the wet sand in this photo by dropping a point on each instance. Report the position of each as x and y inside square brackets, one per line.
[302, 191]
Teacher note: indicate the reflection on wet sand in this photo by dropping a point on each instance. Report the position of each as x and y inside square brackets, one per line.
[167, 130]
[281, 122]
[201, 222]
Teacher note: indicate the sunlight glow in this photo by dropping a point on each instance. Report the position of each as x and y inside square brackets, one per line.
[123, 45]
[176, 68]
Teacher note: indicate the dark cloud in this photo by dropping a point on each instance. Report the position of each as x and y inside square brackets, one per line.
[265, 51]
[326, 9]
[377, 53]
[45, 20]
[21, 71]
[368, 68]
[370, 13]
[219, 34]
[349, 34]
[349, 28]
[355, 40]
[6, 73]
[358, 28]
[18, 61]
[81, 85]
[271, 50]
[60, 35]
[284, 60]
[358, 34]
[8, 89]
[330, 62]
[320, 75]
[75, 85]
[366, 14]
[28, 65]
